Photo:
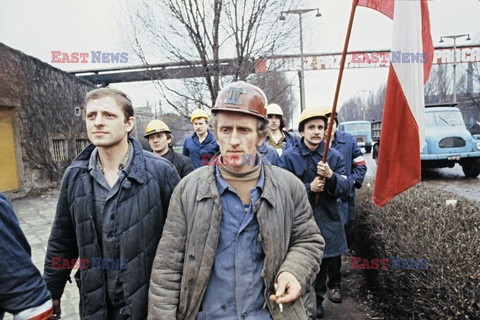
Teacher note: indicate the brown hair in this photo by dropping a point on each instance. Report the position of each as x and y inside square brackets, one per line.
[120, 98]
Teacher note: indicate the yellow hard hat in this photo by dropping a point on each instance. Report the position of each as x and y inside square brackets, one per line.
[156, 126]
[199, 113]
[274, 108]
[309, 113]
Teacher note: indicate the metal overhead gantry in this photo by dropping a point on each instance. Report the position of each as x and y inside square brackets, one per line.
[174, 70]
[282, 63]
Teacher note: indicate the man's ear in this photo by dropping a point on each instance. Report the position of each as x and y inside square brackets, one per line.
[130, 123]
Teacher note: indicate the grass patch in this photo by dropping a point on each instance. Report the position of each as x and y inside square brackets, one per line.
[418, 224]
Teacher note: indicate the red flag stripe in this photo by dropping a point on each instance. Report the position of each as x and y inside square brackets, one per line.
[384, 6]
[399, 157]
[427, 42]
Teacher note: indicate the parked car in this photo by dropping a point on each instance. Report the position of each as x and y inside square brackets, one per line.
[361, 130]
[447, 140]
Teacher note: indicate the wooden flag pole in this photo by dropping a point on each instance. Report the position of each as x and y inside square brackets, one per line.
[337, 89]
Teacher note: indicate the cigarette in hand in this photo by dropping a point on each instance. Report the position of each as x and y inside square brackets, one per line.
[280, 306]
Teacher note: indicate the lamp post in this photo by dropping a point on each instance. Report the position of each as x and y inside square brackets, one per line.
[364, 107]
[454, 37]
[282, 17]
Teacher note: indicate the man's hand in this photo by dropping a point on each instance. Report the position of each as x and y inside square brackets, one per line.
[323, 170]
[317, 185]
[56, 310]
[287, 288]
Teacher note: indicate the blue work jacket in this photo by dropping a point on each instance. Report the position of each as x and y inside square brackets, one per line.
[200, 153]
[21, 284]
[355, 167]
[268, 152]
[302, 162]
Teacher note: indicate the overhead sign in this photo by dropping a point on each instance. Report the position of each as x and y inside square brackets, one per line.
[367, 59]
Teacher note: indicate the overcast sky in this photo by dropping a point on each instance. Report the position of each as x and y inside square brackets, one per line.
[39, 27]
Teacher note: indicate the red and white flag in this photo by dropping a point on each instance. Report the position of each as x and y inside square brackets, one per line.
[403, 129]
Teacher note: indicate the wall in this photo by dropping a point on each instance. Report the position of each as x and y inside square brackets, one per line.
[47, 117]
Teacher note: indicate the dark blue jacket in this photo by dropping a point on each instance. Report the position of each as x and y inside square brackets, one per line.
[143, 199]
[303, 163]
[290, 140]
[355, 166]
[268, 152]
[21, 284]
[200, 153]
[182, 163]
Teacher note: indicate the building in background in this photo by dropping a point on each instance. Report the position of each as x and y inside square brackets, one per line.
[41, 123]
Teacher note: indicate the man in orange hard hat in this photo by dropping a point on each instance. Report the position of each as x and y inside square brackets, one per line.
[240, 240]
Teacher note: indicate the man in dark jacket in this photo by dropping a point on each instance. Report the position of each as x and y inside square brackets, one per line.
[110, 214]
[22, 289]
[325, 183]
[240, 241]
[201, 146]
[160, 140]
[356, 168]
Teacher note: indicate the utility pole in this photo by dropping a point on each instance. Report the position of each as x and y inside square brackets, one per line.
[282, 17]
[454, 37]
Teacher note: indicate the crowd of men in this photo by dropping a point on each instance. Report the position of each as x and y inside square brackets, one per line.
[250, 222]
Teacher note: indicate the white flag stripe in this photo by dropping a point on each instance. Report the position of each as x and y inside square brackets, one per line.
[406, 23]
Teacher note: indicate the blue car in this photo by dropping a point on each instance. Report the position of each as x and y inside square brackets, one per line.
[448, 141]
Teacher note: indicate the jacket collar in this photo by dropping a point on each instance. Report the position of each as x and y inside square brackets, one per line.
[270, 185]
[340, 137]
[305, 151]
[169, 154]
[137, 169]
[208, 138]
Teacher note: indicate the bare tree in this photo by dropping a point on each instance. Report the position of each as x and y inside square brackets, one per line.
[207, 33]
[278, 89]
[438, 85]
[357, 108]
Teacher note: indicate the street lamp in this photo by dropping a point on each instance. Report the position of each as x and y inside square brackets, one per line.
[454, 37]
[364, 107]
[302, 71]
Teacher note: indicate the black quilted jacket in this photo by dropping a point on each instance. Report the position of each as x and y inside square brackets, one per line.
[143, 199]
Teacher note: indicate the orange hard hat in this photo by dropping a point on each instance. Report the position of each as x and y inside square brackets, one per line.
[242, 97]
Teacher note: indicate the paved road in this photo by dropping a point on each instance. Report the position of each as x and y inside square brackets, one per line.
[448, 179]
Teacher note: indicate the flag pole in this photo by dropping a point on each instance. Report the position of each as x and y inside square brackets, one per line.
[339, 81]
